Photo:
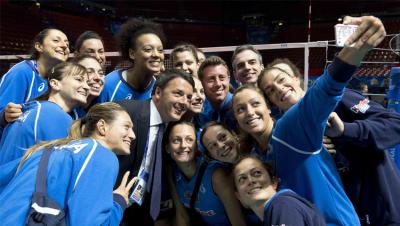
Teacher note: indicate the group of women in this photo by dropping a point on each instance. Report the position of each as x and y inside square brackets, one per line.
[272, 173]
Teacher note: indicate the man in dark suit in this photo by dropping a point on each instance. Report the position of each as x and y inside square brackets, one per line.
[170, 99]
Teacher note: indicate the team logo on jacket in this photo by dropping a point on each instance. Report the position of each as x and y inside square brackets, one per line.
[362, 106]
[128, 97]
[41, 87]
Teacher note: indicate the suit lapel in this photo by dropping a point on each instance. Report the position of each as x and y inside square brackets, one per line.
[142, 127]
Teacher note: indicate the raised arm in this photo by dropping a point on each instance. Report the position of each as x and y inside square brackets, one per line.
[308, 117]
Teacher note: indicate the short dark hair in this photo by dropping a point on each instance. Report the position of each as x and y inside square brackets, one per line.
[182, 47]
[242, 48]
[132, 29]
[85, 36]
[211, 61]
[166, 76]
[268, 166]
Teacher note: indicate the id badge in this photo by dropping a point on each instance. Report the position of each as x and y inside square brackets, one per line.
[138, 192]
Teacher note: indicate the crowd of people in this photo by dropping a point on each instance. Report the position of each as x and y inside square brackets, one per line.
[155, 146]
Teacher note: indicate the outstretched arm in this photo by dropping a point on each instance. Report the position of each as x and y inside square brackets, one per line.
[311, 113]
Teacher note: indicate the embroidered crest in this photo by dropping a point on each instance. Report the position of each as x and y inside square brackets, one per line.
[362, 106]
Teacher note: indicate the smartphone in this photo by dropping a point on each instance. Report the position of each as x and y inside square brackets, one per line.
[343, 32]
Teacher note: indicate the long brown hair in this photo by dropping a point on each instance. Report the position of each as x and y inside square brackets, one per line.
[81, 128]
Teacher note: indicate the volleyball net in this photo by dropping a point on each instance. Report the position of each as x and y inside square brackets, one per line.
[310, 57]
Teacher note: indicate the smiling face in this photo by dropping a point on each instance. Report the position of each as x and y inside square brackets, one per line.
[187, 62]
[251, 112]
[216, 83]
[282, 89]
[247, 67]
[55, 45]
[95, 75]
[148, 53]
[196, 104]
[95, 48]
[253, 182]
[73, 89]
[119, 134]
[173, 100]
[221, 144]
[182, 143]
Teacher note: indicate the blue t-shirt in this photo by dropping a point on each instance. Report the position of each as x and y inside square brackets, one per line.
[116, 88]
[40, 121]
[80, 179]
[301, 161]
[21, 84]
[208, 204]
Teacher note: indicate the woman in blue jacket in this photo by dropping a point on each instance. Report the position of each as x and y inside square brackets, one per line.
[361, 131]
[256, 187]
[47, 117]
[301, 162]
[216, 202]
[95, 82]
[141, 43]
[27, 80]
[81, 172]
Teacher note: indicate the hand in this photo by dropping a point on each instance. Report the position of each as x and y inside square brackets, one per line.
[12, 112]
[334, 126]
[369, 34]
[124, 188]
[330, 147]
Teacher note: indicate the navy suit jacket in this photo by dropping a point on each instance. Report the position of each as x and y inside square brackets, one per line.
[139, 111]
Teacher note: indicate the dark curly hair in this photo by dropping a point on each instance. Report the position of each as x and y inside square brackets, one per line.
[132, 29]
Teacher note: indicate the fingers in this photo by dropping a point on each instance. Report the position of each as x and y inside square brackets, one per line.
[369, 33]
[352, 20]
[328, 124]
[12, 111]
[12, 108]
[378, 37]
[13, 105]
[327, 140]
[125, 178]
[131, 183]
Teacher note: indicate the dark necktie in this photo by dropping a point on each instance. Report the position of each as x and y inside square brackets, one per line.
[156, 180]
